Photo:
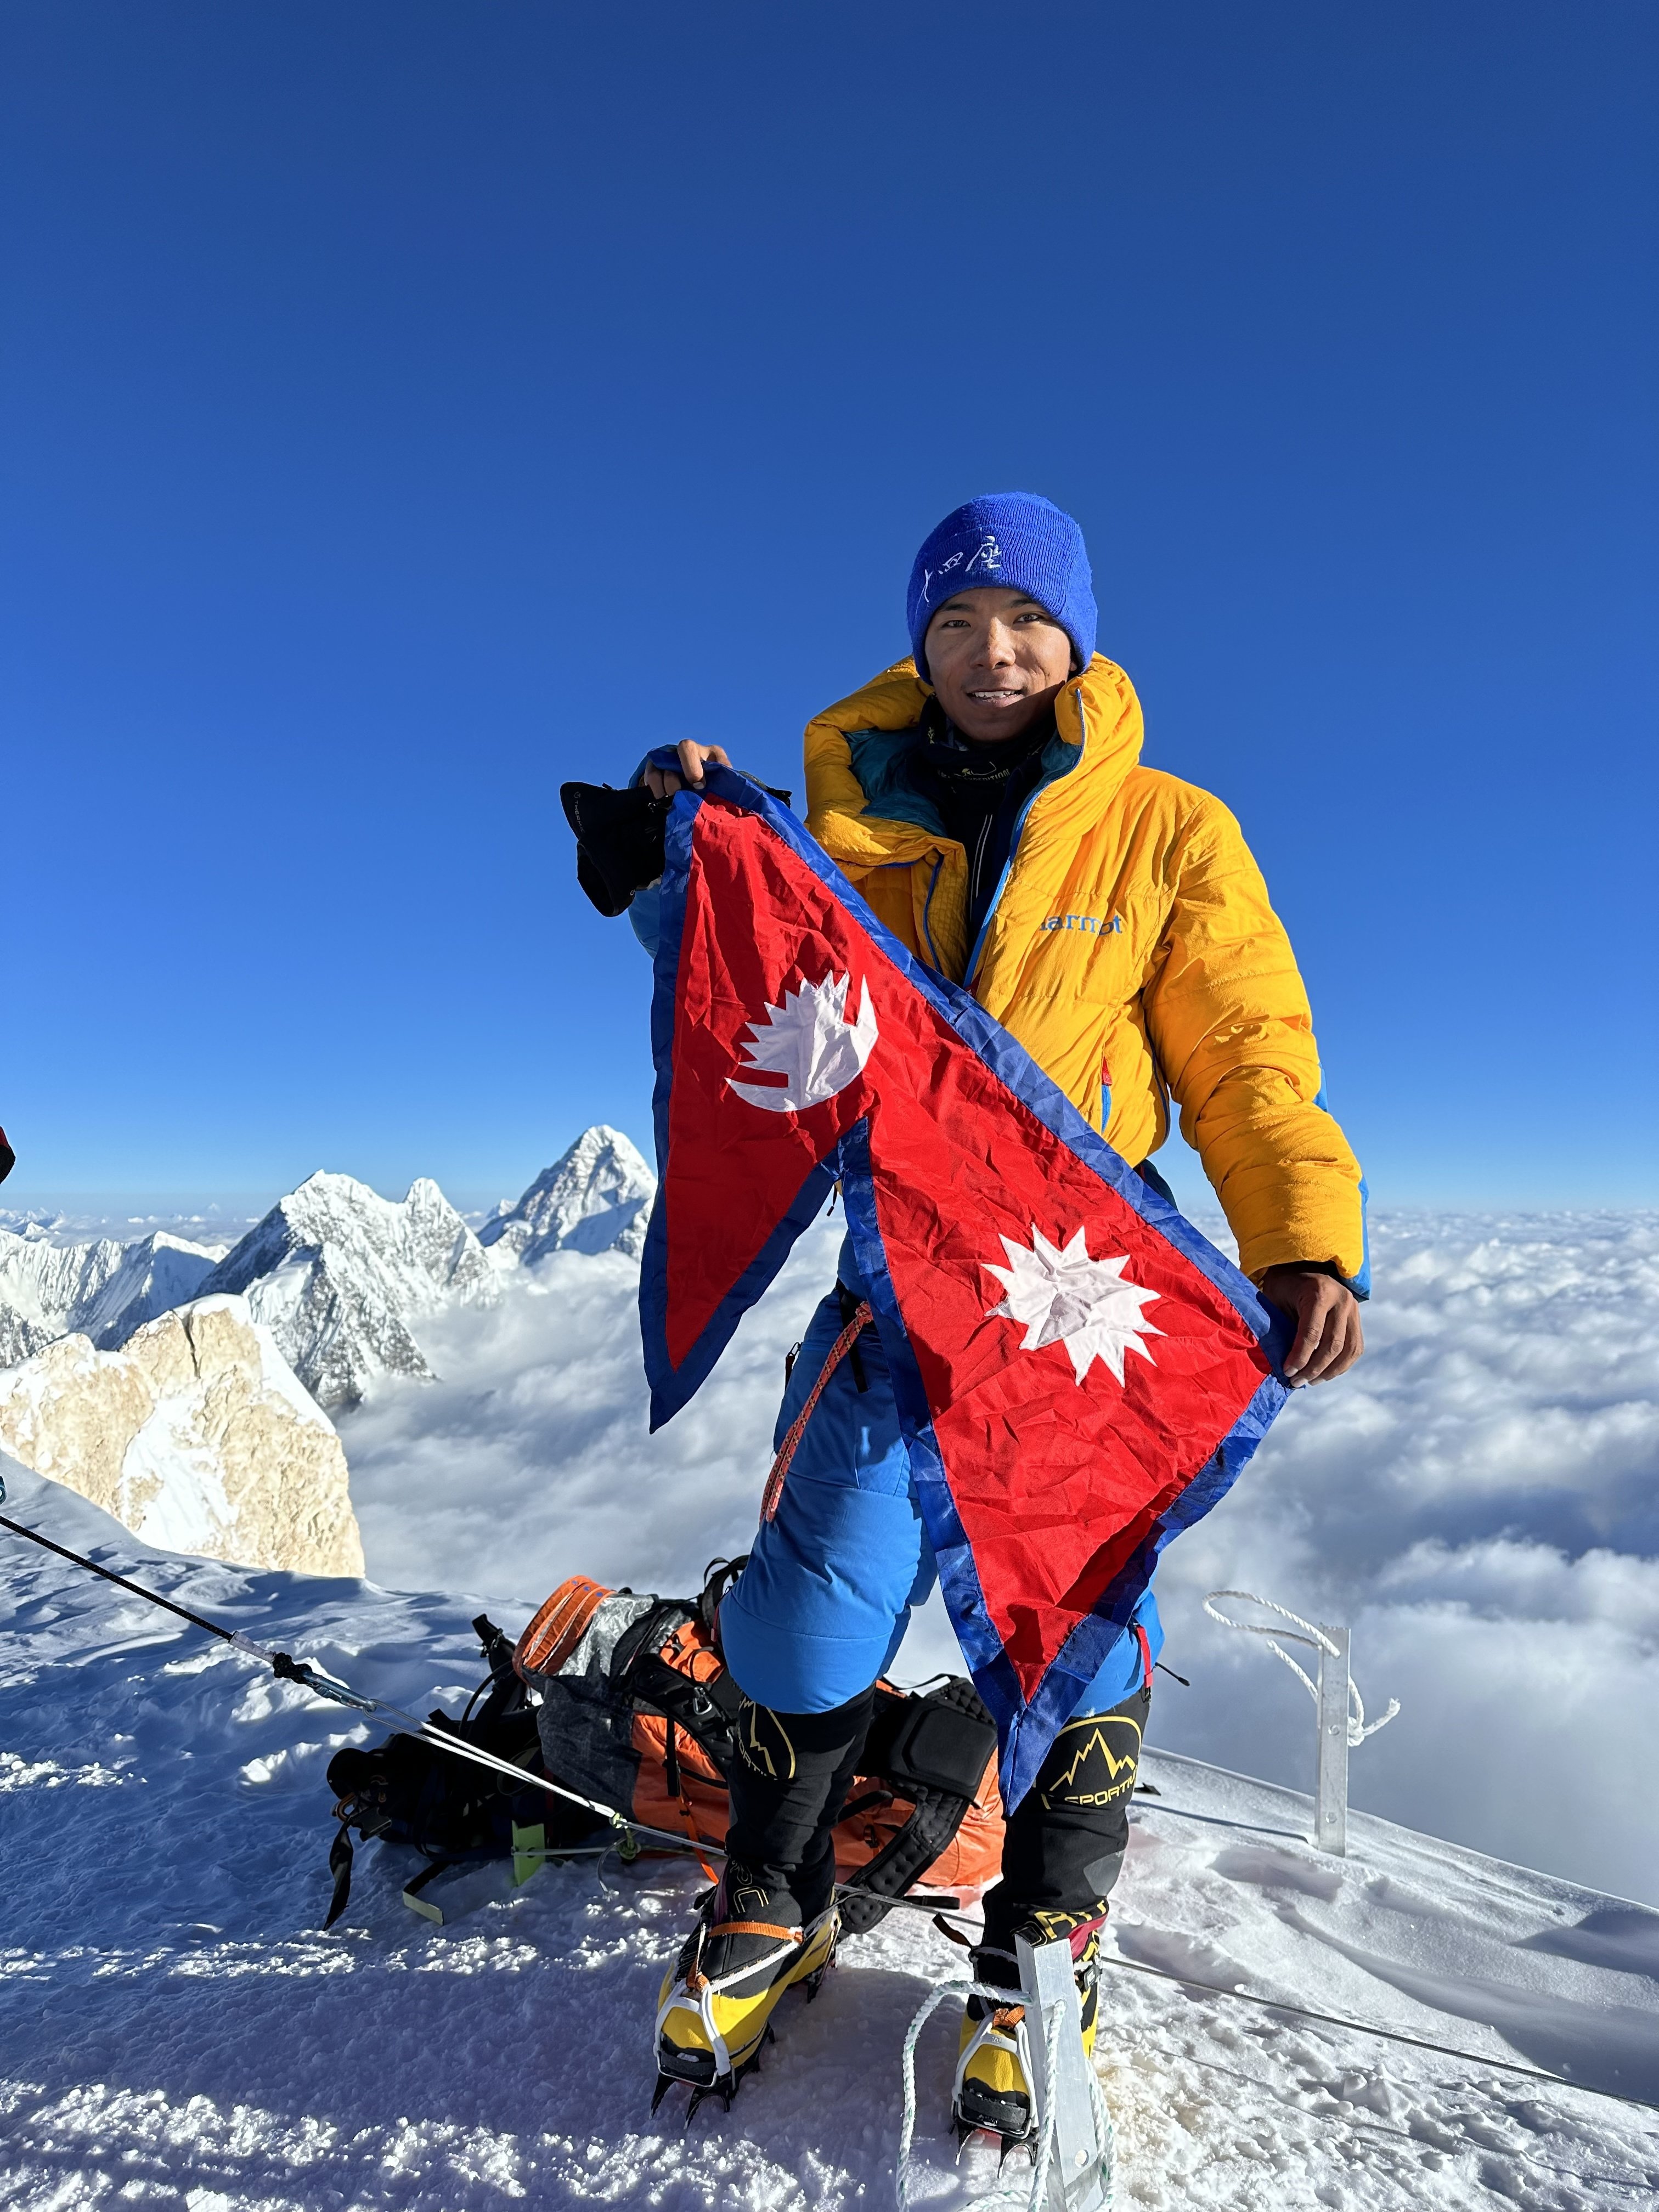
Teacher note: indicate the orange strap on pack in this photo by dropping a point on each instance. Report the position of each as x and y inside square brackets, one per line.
[557, 1629]
[838, 1352]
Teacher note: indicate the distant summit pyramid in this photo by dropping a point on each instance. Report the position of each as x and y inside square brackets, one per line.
[595, 1199]
[338, 1273]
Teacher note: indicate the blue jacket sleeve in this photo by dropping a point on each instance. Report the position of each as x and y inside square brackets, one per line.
[645, 908]
[644, 916]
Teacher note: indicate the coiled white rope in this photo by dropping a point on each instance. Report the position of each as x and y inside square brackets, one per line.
[1034, 2196]
[1358, 1728]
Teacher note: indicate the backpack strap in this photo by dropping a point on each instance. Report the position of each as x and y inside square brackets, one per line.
[933, 1751]
[930, 1830]
[718, 1578]
[706, 1710]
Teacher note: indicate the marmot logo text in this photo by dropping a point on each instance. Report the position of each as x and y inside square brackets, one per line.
[1089, 924]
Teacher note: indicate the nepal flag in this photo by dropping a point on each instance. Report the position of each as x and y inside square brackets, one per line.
[1080, 1374]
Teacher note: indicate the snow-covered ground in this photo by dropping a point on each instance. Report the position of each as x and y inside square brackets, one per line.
[1479, 1500]
[174, 2031]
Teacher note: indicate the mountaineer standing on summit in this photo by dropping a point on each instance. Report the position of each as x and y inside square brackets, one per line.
[985, 797]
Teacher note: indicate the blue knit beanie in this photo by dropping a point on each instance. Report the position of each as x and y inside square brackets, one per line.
[1016, 539]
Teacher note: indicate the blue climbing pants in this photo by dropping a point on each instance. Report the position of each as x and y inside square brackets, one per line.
[821, 1608]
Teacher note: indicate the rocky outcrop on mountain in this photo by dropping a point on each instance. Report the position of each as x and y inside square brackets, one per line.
[19, 1336]
[196, 1435]
[103, 1289]
[338, 1273]
[597, 1198]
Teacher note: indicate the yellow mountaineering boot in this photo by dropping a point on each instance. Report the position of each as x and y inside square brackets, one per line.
[991, 2093]
[750, 1945]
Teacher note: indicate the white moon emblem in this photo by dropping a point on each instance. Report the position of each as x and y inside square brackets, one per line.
[809, 1040]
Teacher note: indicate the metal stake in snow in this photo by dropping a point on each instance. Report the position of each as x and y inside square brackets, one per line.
[1069, 2107]
[1070, 2138]
[1342, 1710]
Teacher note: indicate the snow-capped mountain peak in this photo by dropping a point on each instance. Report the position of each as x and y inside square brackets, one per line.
[595, 1198]
[337, 1272]
[341, 1276]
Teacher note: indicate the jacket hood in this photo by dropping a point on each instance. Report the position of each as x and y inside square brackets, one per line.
[854, 805]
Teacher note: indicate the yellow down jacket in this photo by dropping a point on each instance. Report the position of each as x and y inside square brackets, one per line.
[1131, 948]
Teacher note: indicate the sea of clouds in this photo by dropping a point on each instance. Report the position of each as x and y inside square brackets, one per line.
[1479, 1500]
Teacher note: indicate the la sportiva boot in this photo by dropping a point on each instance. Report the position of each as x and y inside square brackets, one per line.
[991, 2097]
[1062, 1852]
[751, 1943]
[771, 1924]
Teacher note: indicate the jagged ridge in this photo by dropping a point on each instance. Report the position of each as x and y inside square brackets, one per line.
[340, 1275]
[337, 1272]
[103, 1289]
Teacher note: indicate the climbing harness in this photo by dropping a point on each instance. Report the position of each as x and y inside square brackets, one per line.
[1316, 1639]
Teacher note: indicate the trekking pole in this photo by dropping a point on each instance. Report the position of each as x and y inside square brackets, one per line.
[280, 1662]
[286, 1668]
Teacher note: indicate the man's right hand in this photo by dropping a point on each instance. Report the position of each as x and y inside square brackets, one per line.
[1329, 1336]
[663, 783]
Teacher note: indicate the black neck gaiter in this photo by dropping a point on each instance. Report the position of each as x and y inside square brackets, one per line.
[979, 790]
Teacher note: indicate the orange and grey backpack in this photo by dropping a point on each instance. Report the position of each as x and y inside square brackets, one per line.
[635, 1708]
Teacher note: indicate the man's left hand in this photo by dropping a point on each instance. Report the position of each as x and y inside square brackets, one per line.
[1328, 1337]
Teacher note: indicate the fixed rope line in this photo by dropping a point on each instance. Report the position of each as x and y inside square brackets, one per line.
[307, 1677]
[289, 1668]
[1387, 2034]
[301, 1673]
[1359, 1730]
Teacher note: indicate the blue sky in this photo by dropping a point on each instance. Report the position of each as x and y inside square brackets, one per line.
[411, 406]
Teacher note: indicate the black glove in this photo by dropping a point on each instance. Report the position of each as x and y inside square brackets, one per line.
[619, 841]
[8, 1158]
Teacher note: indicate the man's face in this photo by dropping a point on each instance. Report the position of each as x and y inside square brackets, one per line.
[997, 659]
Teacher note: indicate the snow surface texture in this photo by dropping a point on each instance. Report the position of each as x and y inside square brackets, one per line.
[1477, 1500]
[597, 1198]
[174, 2032]
[196, 1435]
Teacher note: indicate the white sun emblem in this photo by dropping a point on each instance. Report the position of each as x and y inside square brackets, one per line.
[1060, 1295]
[810, 1040]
